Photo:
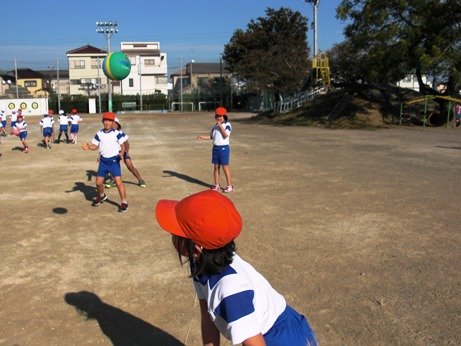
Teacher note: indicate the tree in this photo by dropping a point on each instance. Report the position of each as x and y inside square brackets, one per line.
[403, 36]
[271, 55]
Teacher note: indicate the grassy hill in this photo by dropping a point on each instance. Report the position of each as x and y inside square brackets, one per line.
[355, 107]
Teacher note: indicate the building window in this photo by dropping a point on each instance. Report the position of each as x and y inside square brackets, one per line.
[149, 62]
[161, 80]
[130, 82]
[132, 60]
[77, 64]
[94, 63]
[30, 83]
[75, 81]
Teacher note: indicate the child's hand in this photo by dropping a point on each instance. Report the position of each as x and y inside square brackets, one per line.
[85, 146]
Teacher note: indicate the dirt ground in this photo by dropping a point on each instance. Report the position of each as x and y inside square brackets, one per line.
[359, 230]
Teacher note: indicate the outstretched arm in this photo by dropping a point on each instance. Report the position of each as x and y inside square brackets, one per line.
[88, 146]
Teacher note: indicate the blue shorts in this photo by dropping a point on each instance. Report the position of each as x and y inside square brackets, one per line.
[220, 155]
[13, 123]
[73, 128]
[62, 128]
[109, 165]
[4, 123]
[47, 131]
[291, 328]
[22, 135]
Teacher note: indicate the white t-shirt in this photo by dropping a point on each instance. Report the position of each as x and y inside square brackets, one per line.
[109, 142]
[240, 301]
[216, 135]
[46, 122]
[75, 119]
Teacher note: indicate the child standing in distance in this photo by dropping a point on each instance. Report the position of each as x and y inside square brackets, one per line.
[220, 135]
[111, 146]
[63, 126]
[13, 120]
[127, 160]
[3, 122]
[47, 128]
[21, 126]
[74, 127]
[235, 300]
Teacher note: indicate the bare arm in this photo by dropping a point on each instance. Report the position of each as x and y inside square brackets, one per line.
[257, 340]
[122, 150]
[203, 137]
[222, 130]
[210, 334]
[88, 146]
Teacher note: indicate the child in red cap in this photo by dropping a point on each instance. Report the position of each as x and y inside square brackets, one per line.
[220, 134]
[111, 146]
[20, 127]
[235, 300]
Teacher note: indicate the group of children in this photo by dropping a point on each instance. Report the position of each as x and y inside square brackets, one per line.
[18, 127]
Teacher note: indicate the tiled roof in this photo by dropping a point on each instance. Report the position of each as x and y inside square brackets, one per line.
[86, 50]
[28, 73]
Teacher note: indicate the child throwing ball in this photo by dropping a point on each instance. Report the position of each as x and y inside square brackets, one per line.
[235, 300]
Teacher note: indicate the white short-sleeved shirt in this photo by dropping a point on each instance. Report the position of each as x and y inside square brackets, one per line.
[75, 119]
[21, 126]
[14, 116]
[2, 115]
[216, 135]
[46, 122]
[240, 301]
[109, 142]
[64, 119]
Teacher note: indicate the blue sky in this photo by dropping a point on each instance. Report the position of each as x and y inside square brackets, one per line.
[36, 33]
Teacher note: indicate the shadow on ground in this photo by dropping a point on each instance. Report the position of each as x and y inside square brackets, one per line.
[120, 327]
[186, 178]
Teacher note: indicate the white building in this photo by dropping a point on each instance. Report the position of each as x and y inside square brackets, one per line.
[148, 73]
[411, 82]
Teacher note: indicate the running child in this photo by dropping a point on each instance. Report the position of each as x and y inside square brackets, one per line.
[63, 126]
[21, 126]
[47, 128]
[220, 135]
[74, 127]
[235, 300]
[3, 117]
[128, 161]
[111, 146]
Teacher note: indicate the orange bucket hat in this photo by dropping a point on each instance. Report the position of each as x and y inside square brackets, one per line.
[208, 218]
[108, 116]
[221, 111]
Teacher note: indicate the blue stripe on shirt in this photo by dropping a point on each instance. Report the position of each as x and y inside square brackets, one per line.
[236, 306]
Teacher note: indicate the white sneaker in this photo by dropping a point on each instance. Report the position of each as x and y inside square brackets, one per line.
[228, 189]
[216, 187]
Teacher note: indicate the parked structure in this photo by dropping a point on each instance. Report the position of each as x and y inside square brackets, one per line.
[411, 82]
[196, 75]
[148, 69]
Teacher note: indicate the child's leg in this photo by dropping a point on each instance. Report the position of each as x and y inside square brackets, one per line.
[121, 188]
[100, 185]
[228, 175]
[216, 174]
[132, 169]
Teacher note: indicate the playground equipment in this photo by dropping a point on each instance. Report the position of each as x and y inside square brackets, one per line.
[407, 117]
[321, 70]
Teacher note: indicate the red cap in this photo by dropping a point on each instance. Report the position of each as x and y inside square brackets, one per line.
[221, 111]
[108, 115]
[208, 218]
[74, 110]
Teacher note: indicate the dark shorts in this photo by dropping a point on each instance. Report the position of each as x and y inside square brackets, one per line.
[47, 131]
[22, 135]
[13, 123]
[109, 165]
[291, 328]
[220, 155]
[73, 128]
[62, 128]
[4, 123]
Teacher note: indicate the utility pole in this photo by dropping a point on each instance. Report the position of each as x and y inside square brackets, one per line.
[57, 85]
[108, 29]
[140, 85]
[180, 84]
[16, 76]
[99, 86]
[315, 4]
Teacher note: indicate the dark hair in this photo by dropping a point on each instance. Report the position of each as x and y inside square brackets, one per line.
[224, 116]
[210, 262]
